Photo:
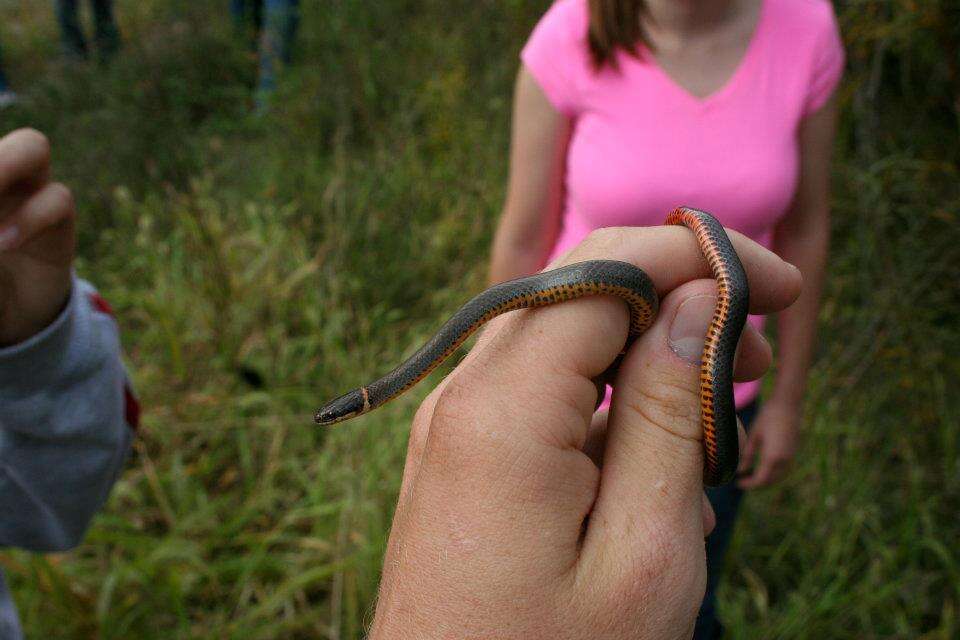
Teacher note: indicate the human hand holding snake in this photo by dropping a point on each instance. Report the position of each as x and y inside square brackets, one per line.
[521, 513]
[601, 277]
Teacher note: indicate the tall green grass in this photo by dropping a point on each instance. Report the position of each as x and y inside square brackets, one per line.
[318, 243]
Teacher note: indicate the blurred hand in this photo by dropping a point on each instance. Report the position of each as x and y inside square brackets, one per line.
[37, 238]
[521, 514]
[771, 445]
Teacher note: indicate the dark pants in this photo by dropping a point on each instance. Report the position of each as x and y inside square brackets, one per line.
[247, 12]
[275, 25]
[725, 501]
[106, 34]
[4, 84]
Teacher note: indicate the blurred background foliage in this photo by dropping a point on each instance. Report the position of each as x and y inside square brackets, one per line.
[310, 247]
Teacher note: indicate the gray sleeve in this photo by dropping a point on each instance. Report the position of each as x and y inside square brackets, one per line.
[66, 420]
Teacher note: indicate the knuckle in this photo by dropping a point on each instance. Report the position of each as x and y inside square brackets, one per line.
[601, 241]
[450, 421]
[420, 428]
[454, 396]
[603, 234]
[62, 198]
[668, 404]
[467, 438]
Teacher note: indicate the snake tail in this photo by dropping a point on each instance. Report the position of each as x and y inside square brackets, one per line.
[718, 415]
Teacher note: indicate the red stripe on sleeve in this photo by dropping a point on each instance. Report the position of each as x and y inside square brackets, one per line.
[101, 305]
[131, 406]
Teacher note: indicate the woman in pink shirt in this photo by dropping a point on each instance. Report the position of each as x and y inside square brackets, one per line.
[625, 109]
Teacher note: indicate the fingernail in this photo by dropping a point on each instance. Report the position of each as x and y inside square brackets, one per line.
[689, 327]
[8, 237]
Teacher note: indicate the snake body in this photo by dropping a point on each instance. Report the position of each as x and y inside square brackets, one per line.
[600, 277]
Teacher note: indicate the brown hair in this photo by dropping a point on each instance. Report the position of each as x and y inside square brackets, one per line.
[615, 24]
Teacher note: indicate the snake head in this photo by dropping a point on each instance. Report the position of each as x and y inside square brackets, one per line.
[343, 408]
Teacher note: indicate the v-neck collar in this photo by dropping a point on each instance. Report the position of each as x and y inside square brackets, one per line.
[743, 66]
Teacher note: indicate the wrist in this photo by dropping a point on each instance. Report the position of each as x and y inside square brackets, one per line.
[43, 352]
[787, 408]
[788, 394]
[25, 314]
[786, 400]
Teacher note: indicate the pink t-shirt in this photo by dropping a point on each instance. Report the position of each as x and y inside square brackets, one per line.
[641, 145]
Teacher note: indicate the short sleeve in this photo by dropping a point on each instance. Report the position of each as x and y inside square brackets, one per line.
[828, 63]
[555, 51]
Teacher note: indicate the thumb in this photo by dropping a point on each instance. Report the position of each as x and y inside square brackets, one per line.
[652, 479]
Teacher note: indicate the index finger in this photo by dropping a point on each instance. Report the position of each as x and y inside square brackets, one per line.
[579, 339]
[671, 256]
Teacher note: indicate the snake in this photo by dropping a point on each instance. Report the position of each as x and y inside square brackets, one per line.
[624, 280]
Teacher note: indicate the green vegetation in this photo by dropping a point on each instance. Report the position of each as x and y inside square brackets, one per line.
[319, 243]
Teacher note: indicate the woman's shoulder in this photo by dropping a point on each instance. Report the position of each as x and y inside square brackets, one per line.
[557, 53]
[806, 39]
[807, 19]
[569, 19]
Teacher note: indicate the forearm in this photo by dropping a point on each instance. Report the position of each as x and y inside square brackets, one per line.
[517, 253]
[531, 214]
[64, 433]
[806, 246]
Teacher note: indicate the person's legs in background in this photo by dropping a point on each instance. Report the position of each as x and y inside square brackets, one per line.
[247, 12]
[7, 96]
[238, 9]
[281, 18]
[291, 23]
[107, 35]
[725, 501]
[247, 20]
[71, 36]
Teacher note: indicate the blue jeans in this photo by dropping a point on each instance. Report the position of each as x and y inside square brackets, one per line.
[276, 22]
[246, 12]
[106, 34]
[725, 501]
[4, 84]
